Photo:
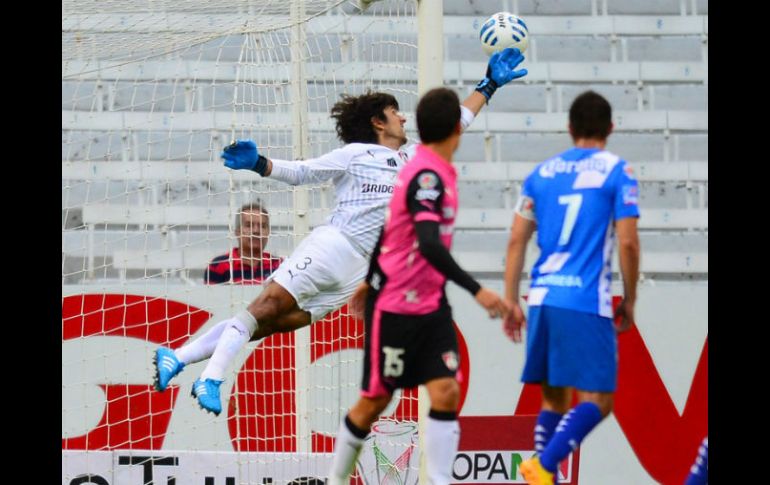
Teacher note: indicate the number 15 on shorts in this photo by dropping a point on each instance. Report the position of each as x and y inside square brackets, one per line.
[394, 364]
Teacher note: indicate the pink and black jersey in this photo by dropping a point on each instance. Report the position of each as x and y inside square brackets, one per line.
[426, 190]
[229, 268]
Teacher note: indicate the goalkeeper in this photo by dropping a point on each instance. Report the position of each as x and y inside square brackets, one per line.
[327, 266]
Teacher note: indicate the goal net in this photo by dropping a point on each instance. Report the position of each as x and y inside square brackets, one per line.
[151, 93]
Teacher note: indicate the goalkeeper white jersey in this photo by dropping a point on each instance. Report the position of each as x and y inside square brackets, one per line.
[364, 176]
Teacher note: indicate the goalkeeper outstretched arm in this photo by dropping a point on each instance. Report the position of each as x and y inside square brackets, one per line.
[501, 70]
[244, 155]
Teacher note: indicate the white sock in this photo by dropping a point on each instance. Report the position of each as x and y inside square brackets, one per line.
[442, 437]
[346, 449]
[234, 336]
[202, 347]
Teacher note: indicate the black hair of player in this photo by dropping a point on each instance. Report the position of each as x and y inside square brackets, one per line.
[590, 116]
[438, 113]
[354, 114]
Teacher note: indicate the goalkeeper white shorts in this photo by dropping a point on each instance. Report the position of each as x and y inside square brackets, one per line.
[322, 272]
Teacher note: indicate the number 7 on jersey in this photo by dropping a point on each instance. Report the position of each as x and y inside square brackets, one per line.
[573, 203]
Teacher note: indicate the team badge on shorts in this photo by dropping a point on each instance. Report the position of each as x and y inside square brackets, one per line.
[450, 359]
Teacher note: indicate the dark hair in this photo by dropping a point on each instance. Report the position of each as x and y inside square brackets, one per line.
[354, 115]
[255, 206]
[590, 116]
[438, 113]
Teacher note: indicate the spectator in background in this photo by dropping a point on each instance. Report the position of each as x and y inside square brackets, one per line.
[249, 263]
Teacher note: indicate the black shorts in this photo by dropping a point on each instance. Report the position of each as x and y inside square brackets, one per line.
[404, 351]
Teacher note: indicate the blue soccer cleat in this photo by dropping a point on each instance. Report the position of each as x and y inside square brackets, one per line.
[166, 367]
[207, 393]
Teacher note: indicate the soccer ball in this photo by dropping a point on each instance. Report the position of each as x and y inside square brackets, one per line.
[502, 30]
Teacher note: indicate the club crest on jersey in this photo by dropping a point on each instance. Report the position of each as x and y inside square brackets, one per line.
[450, 360]
[427, 180]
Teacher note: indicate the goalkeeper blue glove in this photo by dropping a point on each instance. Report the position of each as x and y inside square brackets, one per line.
[243, 155]
[500, 71]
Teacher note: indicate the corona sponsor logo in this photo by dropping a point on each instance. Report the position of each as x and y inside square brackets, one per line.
[557, 166]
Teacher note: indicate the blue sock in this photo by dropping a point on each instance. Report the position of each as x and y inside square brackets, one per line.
[544, 428]
[574, 426]
[699, 472]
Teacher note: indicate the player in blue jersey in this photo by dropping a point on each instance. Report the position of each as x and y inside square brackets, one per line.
[578, 201]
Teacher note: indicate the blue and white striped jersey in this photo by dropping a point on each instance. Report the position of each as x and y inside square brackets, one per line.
[574, 198]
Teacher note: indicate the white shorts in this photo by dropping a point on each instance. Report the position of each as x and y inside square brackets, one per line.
[322, 272]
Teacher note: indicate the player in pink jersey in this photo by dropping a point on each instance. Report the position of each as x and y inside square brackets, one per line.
[410, 338]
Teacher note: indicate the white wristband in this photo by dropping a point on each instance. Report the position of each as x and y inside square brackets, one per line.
[466, 116]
